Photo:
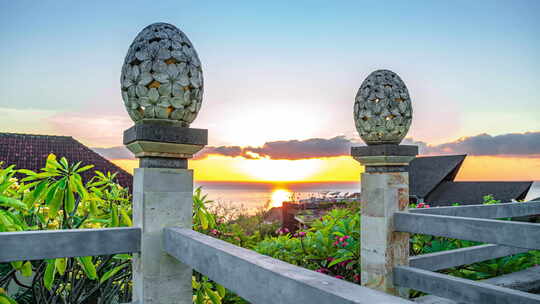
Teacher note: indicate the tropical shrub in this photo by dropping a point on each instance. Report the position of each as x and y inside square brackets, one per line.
[58, 198]
[330, 246]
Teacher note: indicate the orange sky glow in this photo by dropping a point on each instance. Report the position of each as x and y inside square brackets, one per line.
[342, 168]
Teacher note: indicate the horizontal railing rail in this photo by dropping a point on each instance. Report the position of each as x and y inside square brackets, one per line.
[463, 256]
[262, 279]
[515, 234]
[485, 211]
[48, 244]
[524, 280]
[458, 289]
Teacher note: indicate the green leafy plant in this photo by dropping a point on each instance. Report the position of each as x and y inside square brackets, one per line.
[57, 198]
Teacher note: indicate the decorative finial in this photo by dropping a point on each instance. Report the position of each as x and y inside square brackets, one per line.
[162, 77]
[382, 110]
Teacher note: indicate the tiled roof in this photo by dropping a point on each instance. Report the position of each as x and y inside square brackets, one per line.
[28, 151]
[469, 193]
[426, 173]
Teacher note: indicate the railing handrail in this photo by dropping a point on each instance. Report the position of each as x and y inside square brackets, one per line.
[49, 244]
[262, 279]
[471, 229]
[462, 256]
[511, 209]
[458, 289]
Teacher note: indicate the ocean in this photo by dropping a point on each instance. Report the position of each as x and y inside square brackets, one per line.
[251, 196]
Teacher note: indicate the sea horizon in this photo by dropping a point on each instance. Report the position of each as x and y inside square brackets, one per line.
[254, 195]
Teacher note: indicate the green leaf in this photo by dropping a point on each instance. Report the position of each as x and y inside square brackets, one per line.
[70, 201]
[5, 299]
[194, 283]
[221, 290]
[214, 297]
[100, 174]
[111, 273]
[26, 269]
[336, 261]
[114, 217]
[199, 298]
[13, 203]
[60, 265]
[64, 162]
[125, 219]
[39, 190]
[84, 168]
[93, 208]
[17, 264]
[27, 172]
[56, 203]
[88, 267]
[50, 272]
[202, 219]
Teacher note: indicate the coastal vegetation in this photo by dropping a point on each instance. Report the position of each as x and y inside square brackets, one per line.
[56, 197]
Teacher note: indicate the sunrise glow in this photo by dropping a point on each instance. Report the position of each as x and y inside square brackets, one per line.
[342, 168]
[279, 196]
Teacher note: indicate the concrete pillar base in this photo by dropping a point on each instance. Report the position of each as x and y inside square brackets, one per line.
[161, 198]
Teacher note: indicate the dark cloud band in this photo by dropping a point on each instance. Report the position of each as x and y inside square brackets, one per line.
[522, 144]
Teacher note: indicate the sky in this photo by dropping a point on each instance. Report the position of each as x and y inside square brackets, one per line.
[287, 72]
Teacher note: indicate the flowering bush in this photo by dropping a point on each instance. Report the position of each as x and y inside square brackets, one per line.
[57, 198]
[330, 246]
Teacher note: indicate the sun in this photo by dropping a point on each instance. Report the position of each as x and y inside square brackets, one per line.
[279, 196]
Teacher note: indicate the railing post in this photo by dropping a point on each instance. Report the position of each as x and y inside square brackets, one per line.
[383, 114]
[162, 90]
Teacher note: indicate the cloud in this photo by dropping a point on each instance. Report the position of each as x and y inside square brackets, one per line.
[523, 144]
[286, 149]
[485, 144]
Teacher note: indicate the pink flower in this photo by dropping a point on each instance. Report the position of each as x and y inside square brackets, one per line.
[356, 278]
[420, 205]
[282, 231]
[301, 234]
[322, 270]
[336, 243]
[344, 244]
[339, 277]
[330, 259]
[427, 206]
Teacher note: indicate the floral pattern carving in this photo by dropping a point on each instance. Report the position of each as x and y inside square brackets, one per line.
[162, 76]
[382, 109]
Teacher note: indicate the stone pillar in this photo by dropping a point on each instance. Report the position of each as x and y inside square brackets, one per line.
[162, 197]
[385, 190]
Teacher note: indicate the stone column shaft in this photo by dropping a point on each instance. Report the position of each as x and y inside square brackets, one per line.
[385, 190]
[381, 247]
[161, 198]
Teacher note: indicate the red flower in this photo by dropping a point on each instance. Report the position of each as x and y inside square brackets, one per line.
[356, 278]
[339, 277]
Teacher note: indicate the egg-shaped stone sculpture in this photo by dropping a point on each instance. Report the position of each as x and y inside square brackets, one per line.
[382, 109]
[162, 77]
